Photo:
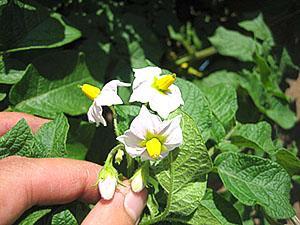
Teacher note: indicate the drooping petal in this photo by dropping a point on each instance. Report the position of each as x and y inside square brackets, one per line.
[145, 122]
[109, 95]
[172, 131]
[166, 103]
[132, 143]
[107, 187]
[95, 114]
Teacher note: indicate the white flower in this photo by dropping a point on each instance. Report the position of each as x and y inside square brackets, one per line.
[148, 86]
[106, 97]
[107, 182]
[151, 138]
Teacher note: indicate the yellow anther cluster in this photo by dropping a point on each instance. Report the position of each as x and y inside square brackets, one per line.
[90, 91]
[163, 83]
[154, 148]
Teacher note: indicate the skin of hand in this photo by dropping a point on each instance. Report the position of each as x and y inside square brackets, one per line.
[26, 182]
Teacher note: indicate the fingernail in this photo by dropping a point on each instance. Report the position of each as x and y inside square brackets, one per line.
[134, 204]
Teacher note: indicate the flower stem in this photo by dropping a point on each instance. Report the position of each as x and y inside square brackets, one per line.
[197, 55]
[115, 121]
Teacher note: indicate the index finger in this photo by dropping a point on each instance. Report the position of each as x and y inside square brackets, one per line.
[27, 182]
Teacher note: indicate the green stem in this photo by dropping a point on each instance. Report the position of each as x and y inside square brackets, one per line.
[115, 121]
[165, 213]
[111, 154]
[197, 55]
[130, 165]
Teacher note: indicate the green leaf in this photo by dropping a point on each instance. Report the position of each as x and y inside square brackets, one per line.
[223, 103]
[222, 210]
[227, 146]
[201, 216]
[17, 141]
[286, 61]
[254, 180]
[11, 70]
[187, 199]
[24, 27]
[79, 138]
[183, 166]
[288, 161]
[2, 96]
[64, 217]
[196, 105]
[50, 140]
[218, 77]
[34, 217]
[273, 107]
[259, 29]
[256, 136]
[234, 44]
[126, 114]
[54, 87]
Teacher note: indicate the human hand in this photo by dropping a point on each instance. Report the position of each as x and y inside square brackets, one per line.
[26, 182]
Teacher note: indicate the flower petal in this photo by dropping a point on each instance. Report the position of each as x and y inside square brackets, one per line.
[173, 133]
[108, 95]
[107, 187]
[142, 92]
[164, 104]
[145, 122]
[95, 114]
[148, 71]
[132, 143]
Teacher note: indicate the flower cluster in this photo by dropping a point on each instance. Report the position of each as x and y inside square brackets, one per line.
[150, 136]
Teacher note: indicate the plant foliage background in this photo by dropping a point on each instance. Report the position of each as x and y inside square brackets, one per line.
[232, 59]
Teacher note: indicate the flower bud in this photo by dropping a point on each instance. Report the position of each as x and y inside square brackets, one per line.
[119, 156]
[108, 178]
[140, 177]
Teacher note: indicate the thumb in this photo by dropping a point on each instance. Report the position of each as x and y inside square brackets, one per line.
[125, 208]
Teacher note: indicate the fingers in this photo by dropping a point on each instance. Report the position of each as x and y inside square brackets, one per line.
[124, 209]
[26, 182]
[10, 119]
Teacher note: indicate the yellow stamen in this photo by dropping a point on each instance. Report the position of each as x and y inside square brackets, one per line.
[163, 83]
[154, 148]
[90, 91]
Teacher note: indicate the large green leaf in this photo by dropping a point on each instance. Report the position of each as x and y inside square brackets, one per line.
[18, 141]
[288, 161]
[181, 174]
[187, 199]
[53, 87]
[254, 180]
[256, 136]
[223, 102]
[222, 210]
[259, 29]
[196, 105]
[234, 44]
[50, 140]
[64, 217]
[34, 217]
[189, 161]
[275, 108]
[201, 216]
[218, 77]
[24, 27]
